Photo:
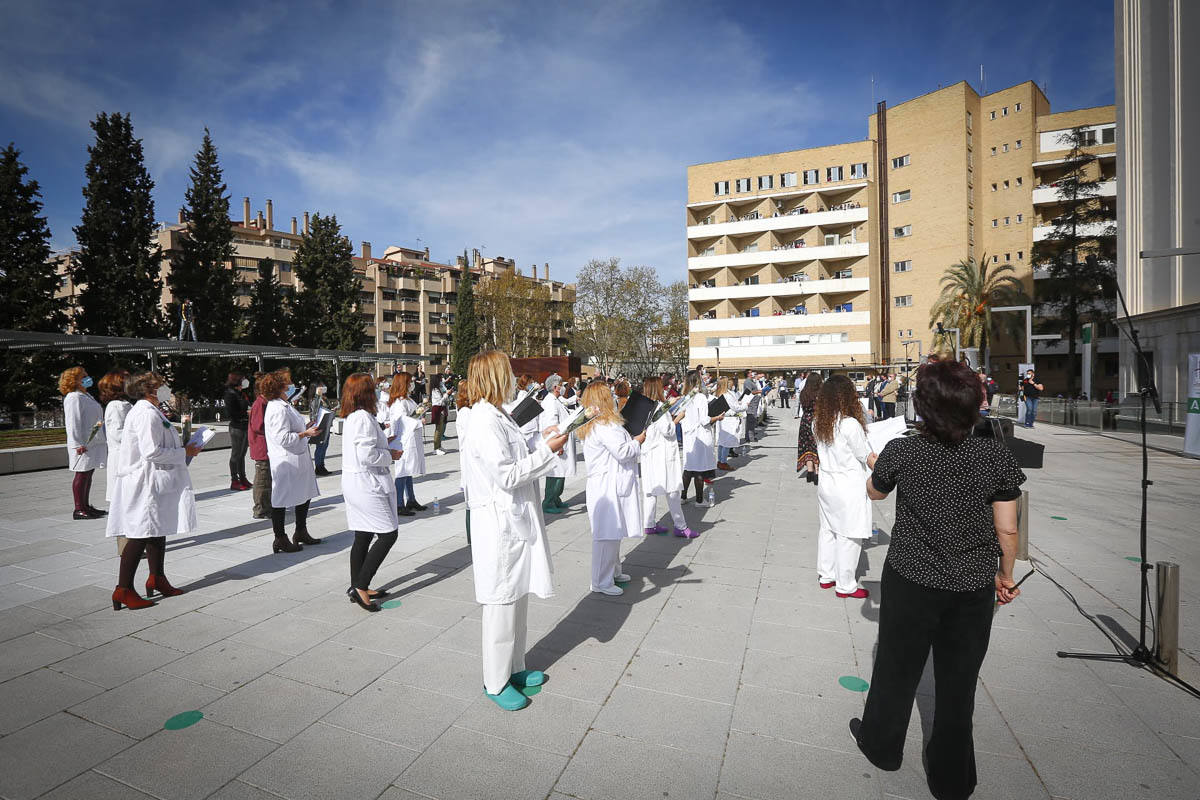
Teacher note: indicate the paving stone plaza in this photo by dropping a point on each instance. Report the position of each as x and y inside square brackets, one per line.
[723, 672]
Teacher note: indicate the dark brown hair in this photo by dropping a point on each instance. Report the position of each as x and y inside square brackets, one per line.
[358, 392]
[838, 399]
[812, 387]
[112, 386]
[234, 381]
[947, 399]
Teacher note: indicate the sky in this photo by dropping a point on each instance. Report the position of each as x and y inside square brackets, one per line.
[544, 132]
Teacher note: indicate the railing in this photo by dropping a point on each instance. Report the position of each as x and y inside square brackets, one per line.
[1096, 415]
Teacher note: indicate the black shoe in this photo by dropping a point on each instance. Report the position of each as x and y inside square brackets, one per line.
[404, 512]
[415, 506]
[322, 472]
[302, 537]
[374, 594]
[97, 512]
[356, 598]
[283, 545]
[83, 515]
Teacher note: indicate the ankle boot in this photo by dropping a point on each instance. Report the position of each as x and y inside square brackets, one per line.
[160, 584]
[128, 598]
[283, 545]
[302, 537]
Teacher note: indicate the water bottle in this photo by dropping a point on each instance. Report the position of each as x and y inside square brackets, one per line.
[437, 507]
[710, 497]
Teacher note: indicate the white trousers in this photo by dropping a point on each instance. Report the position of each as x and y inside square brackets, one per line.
[504, 631]
[837, 560]
[606, 562]
[651, 508]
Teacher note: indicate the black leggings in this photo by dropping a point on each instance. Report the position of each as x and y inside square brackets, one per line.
[688, 477]
[237, 453]
[301, 519]
[365, 557]
[155, 548]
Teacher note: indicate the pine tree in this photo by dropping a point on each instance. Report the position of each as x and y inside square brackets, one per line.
[327, 302]
[203, 271]
[119, 257]
[267, 319]
[465, 335]
[27, 284]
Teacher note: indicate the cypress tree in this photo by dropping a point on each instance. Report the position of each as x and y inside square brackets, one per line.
[203, 270]
[328, 297]
[465, 335]
[119, 257]
[266, 319]
[27, 283]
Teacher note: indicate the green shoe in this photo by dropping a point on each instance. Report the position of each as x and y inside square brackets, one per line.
[528, 677]
[510, 699]
[552, 510]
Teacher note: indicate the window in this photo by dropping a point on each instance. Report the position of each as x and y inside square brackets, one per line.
[901, 231]
[835, 174]
[1017, 108]
[1006, 184]
[1020, 255]
[1008, 256]
[831, 239]
[389, 316]
[811, 176]
[751, 281]
[721, 187]
[751, 248]
[902, 197]
[969, 140]
[1020, 180]
[1004, 147]
[902, 266]
[750, 312]
[968, 120]
[858, 170]
[766, 182]
[970, 160]
[993, 187]
[844, 307]
[743, 184]
[1004, 111]
[1088, 138]
[995, 223]
[844, 274]
[708, 251]
[1020, 218]
[900, 161]
[1018, 144]
[903, 300]
[1006, 220]
[1108, 136]
[993, 115]
[787, 179]
[993, 151]
[995, 259]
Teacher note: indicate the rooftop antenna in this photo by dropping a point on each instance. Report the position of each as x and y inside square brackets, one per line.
[872, 89]
[982, 81]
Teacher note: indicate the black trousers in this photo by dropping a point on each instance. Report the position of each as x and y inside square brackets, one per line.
[366, 557]
[237, 453]
[914, 619]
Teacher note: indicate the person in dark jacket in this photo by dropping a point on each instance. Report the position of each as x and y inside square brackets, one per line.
[237, 406]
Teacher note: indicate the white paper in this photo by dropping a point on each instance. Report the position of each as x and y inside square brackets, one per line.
[201, 436]
[882, 432]
[322, 413]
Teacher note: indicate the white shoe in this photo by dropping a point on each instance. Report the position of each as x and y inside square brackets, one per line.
[612, 591]
[439, 452]
[622, 577]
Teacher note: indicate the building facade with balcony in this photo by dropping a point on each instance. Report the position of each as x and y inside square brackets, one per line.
[831, 257]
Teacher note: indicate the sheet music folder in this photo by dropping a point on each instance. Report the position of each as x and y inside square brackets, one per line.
[718, 407]
[527, 410]
[636, 412]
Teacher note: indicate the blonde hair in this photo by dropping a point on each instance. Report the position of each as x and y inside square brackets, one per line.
[598, 395]
[70, 380]
[490, 377]
[723, 385]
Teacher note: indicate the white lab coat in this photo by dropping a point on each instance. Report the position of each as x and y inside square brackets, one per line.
[462, 420]
[662, 469]
[114, 425]
[614, 503]
[842, 500]
[555, 413]
[732, 429]
[510, 557]
[293, 478]
[153, 493]
[80, 413]
[698, 436]
[367, 485]
[410, 437]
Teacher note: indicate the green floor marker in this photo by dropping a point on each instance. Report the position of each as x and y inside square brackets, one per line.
[530, 691]
[390, 604]
[1134, 559]
[621, 583]
[853, 683]
[184, 720]
[1062, 518]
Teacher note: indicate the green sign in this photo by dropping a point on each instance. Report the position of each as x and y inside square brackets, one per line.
[1194, 405]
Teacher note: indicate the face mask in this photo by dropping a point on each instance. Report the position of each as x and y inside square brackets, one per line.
[291, 388]
[245, 383]
[163, 394]
[385, 386]
[320, 390]
[86, 382]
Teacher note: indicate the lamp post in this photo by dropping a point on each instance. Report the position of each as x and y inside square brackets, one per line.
[943, 330]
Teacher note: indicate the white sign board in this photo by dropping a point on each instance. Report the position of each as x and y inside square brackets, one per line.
[1191, 437]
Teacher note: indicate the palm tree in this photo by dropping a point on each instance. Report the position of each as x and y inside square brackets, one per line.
[970, 291]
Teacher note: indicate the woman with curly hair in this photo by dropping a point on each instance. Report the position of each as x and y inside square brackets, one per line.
[842, 502]
[87, 449]
[806, 445]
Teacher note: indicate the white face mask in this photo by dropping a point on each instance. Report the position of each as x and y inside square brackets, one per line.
[163, 394]
[320, 390]
[245, 383]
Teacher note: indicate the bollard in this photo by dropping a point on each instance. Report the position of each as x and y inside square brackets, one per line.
[1167, 615]
[1023, 526]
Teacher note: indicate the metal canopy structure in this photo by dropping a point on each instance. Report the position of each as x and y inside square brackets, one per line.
[169, 348]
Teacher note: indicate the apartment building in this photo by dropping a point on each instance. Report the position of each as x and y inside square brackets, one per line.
[831, 257]
[407, 300]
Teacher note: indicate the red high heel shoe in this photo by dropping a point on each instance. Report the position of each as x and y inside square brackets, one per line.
[130, 599]
[160, 584]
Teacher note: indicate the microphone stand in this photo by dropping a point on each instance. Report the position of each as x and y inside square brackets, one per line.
[1141, 655]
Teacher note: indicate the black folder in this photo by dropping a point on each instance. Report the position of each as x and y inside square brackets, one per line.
[718, 407]
[526, 410]
[636, 412]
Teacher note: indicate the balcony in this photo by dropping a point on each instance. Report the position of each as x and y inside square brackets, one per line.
[1042, 232]
[789, 255]
[780, 289]
[845, 319]
[1047, 195]
[708, 355]
[785, 222]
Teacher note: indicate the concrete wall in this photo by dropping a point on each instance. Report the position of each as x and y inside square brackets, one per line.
[32, 459]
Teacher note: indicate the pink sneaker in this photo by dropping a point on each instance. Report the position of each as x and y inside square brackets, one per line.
[686, 533]
[657, 529]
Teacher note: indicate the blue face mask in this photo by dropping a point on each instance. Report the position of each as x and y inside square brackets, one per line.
[87, 382]
[291, 388]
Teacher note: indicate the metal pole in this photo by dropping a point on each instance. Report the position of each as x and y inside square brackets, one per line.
[1023, 526]
[1167, 616]
[154, 361]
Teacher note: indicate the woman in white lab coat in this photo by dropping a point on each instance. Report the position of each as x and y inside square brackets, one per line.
[293, 477]
[367, 487]
[842, 503]
[554, 413]
[408, 434]
[662, 469]
[732, 428]
[614, 503]
[153, 496]
[116, 409]
[462, 419]
[510, 557]
[85, 452]
[699, 440]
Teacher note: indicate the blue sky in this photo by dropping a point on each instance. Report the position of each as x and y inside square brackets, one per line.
[545, 132]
